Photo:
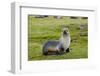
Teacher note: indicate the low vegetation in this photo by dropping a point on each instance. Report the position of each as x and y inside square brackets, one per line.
[49, 28]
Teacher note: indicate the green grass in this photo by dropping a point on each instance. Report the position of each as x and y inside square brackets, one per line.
[42, 29]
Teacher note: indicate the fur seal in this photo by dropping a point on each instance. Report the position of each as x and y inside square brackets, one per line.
[56, 47]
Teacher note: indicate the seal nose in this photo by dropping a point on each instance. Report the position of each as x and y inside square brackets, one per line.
[65, 32]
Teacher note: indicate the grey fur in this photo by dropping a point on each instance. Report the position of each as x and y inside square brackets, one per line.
[57, 47]
[56, 44]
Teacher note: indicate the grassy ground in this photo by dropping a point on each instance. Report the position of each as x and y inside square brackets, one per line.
[42, 29]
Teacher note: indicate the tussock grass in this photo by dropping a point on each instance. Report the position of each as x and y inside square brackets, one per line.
[42, 29]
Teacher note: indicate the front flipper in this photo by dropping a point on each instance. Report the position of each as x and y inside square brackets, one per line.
[67, 50]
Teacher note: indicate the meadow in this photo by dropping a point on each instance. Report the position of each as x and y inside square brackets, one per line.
[41, 30]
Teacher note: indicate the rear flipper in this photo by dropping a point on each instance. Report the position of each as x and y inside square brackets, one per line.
[45, 53]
